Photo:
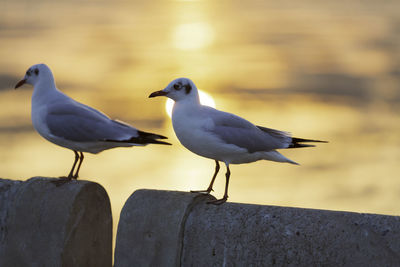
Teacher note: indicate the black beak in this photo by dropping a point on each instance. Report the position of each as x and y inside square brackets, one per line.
[20, 83]
[158, 93]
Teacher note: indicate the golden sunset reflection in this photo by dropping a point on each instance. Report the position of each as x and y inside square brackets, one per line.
[193, 36]
[323, 70]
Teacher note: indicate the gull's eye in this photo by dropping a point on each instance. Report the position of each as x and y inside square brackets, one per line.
[28, 72]
[36, 71]
[177, 87]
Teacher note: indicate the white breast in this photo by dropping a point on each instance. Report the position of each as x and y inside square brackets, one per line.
[38, 115]
[192, 128]
[188, 127]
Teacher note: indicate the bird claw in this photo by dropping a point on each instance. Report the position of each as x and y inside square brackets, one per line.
[218, 201]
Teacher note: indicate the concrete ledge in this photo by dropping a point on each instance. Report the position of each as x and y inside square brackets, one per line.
[161, 228]
[51, 222]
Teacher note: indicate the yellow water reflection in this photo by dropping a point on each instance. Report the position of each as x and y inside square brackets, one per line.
[191, 36]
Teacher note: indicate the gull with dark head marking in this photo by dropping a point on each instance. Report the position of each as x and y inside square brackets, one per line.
[223, 136]
[70, 124]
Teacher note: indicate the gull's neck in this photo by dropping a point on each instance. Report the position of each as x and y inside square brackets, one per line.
[44, 90]
[46, 83]
[192, 99]
[186, 105]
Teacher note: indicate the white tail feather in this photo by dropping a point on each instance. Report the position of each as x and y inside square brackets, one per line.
[276, 156]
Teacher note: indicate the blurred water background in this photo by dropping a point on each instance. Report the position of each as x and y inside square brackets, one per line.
[324, 70]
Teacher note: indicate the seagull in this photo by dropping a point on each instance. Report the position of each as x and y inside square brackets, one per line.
[70, 124]
[223, 136]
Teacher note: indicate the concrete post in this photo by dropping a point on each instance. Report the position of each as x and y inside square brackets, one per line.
[160, 228]
[150, 228]
[54, 222]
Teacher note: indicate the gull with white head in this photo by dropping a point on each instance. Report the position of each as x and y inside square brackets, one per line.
[70, 124]
[223, 136]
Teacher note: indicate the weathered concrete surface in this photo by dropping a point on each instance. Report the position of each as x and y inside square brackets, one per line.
[52, 222]
[150, 228]
[250, 235]
[159, 228]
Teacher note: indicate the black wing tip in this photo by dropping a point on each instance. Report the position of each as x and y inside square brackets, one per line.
[160, 143]
[143, 138]
[149, 138]
[146, 141]
[151, 135]
[139, 141]
[161, 137]
[302, 140]
[298, 142]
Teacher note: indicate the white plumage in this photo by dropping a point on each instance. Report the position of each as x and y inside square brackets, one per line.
[70, 124]
[223, 136]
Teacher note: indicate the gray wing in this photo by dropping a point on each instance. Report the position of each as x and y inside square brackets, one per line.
[235, 130]
[77, 122]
